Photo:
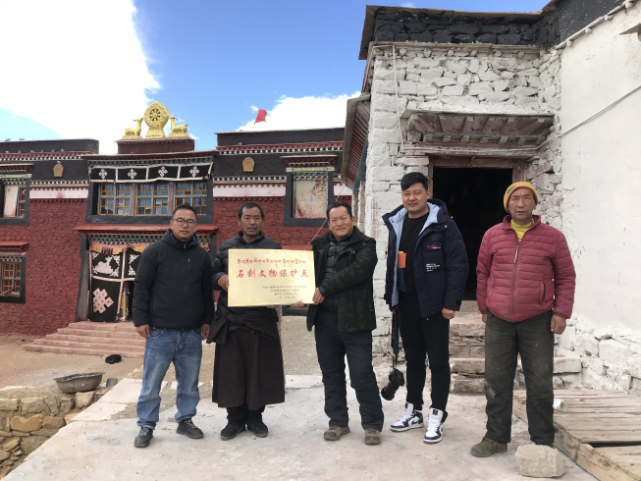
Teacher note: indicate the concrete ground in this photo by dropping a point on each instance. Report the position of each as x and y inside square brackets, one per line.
[99, 446]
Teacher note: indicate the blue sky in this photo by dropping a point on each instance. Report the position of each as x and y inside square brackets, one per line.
[209, 62]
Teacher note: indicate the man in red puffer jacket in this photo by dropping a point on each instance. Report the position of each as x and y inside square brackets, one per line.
[525, 292]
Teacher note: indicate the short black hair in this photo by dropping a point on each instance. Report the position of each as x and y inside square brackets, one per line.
[412, 178]
[340, 204]
[250, 205]
[184, 207]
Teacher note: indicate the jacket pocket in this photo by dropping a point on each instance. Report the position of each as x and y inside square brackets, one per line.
[542, 293]
[489, 295]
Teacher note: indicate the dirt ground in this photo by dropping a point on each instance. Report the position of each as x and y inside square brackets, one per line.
[23, 368]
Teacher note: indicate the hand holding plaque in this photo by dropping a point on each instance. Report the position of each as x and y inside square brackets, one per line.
[268, 277]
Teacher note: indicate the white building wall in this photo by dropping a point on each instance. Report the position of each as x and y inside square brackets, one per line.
[474, 79]
[601, 183]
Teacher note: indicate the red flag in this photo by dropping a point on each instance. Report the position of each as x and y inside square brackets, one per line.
[261, 116]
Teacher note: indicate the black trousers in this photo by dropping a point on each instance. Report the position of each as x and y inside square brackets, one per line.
[242, 415]
[425, 337]
[331, 347]
[534, 341]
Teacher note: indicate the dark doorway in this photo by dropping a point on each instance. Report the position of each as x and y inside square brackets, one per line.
[474, 199]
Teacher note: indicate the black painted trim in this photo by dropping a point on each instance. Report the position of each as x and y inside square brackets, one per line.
[82, 301]
[23, 285]
[24, 220]
[288, 219]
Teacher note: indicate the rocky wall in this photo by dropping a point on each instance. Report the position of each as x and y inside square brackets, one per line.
[52, 267]
[465, 79]
[423, 27]
[545, 171]
[30, 416]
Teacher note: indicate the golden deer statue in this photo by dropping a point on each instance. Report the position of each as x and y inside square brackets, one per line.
[177, 130]
[135, 132]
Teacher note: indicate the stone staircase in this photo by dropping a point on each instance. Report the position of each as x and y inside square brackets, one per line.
[93, 339]
[467, 357]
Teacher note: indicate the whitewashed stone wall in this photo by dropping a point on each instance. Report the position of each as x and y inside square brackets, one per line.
[545, 171]
[468, 79]
[597, 170]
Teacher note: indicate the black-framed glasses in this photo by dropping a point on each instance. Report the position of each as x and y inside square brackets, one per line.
[182, 222]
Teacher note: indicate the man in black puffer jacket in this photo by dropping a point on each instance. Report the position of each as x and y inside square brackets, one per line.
[173, 308]
[343, 316]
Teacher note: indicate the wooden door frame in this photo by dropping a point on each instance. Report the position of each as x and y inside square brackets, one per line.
[517, 166]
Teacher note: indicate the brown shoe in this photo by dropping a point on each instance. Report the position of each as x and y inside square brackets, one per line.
[334, 433]
[372, 437]
[487, 448]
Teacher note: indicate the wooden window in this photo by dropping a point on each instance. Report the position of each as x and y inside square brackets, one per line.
[310, 197]
[11, 275]
[115, 199]
[22, 200]
[13, 200]
[153, 199]
[193, 193]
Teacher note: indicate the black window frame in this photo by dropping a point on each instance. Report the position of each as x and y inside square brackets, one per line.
[288, 215]
[23, 277]
[93, 216]
[24, 220]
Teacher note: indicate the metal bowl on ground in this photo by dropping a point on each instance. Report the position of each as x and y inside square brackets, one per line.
[79, 382]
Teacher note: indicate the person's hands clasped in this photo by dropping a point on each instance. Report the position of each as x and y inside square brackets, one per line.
[298, 305]
[558, 324]
[318, 297]
[223, 282]
[448, 313]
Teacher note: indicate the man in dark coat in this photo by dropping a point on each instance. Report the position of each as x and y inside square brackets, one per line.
[173, 307]
[248, 367]
[426, 275]
[343, 316]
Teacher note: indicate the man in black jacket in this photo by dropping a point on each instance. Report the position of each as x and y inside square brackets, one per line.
[173, 308]
[426, 275]
[248, 368]
[344, 317]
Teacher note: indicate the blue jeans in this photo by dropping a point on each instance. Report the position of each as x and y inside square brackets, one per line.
[164, 346]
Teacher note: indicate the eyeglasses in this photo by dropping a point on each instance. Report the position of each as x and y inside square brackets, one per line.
[182, 222]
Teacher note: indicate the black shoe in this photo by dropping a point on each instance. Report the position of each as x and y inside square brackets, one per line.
[189, 429]
[231, 431]
[258, 428]
[144, 437]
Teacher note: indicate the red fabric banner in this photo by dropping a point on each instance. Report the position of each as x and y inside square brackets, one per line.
[261, 116]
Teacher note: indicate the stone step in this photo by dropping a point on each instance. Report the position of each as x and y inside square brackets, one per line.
[88, 333]
[70, 336]
[563, 364]
[103, 326]
[83, 351]
[106, 346]
[467, 326]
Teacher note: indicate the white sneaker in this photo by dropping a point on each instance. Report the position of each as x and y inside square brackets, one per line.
[435, 421]
[410, 419]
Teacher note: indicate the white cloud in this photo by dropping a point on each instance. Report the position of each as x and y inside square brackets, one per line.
[408, 5]
[76, 66]
[303, 113]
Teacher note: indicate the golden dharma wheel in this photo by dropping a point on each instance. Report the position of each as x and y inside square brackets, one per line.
[156, 117]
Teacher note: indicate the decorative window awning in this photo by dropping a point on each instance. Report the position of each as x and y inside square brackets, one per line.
[309, 160]
[149, 173]
[13, 246]
[477, 130]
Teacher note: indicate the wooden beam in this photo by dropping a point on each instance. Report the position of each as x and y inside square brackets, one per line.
[470, 151]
